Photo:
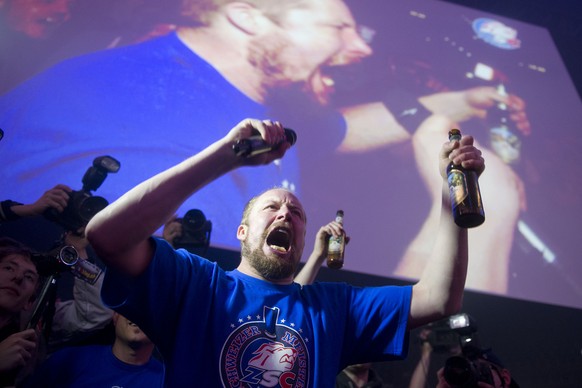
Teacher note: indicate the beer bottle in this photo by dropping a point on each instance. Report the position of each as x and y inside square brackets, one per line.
[466, 201]
[336, 245]
[504, 137]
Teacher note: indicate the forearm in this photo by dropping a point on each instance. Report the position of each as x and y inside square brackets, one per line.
[439, 292]
[121, 241]
[419, 376]
[309, 271]
[370, 126]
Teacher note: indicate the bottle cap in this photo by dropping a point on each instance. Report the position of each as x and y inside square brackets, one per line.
[454, 134]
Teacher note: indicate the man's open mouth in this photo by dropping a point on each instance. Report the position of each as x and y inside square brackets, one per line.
[279, 239]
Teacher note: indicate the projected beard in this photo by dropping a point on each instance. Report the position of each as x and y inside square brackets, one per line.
[269, 266]
[279, 74]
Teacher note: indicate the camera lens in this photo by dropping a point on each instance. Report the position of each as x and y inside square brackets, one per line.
[90, 206]
[194, 220]
[68, 255]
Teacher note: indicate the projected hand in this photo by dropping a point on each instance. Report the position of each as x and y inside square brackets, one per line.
[463, 105]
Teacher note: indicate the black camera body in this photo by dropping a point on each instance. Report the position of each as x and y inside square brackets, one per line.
[450, 333]
[467, 370]
[196, 231]
[82, 205]
[57, 261]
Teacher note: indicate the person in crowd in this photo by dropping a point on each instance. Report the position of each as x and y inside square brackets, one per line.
[489, 371]
[128, 363]
[83, 317]
[254, 324]
[256, 58]
[83, 314]
[19, 280]
[359, 376]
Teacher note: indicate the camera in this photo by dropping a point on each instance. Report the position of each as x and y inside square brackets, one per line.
[448, 333]
[56, 261]
[467, 370]
[82, 205]
[196, 231]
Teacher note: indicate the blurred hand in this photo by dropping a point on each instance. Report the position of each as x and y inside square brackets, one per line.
[463, 105]
[17, 350]
[172, 230]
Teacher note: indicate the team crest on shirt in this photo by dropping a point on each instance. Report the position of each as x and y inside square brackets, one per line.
[264, 353]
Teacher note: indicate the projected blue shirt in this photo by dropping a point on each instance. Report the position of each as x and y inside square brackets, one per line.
[217, 328]
[148, 105]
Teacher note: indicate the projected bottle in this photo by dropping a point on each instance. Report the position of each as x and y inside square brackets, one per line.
[504, 138]
[466, 201]
[336, 245]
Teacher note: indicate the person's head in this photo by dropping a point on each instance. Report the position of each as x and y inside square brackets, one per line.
[272, 234]
[357, 369]
[37, 19]
[19, 278]
[129, 333]
[289, 42]
[484, 365]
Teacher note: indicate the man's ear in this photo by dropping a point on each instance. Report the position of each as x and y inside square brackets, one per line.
[244, 16]
[241, 232]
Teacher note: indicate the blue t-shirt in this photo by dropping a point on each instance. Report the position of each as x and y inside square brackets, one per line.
[217, 328]
[150, 106]
[94, 366]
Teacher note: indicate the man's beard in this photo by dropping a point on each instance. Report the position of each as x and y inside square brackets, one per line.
[277, 82]
[270, 268]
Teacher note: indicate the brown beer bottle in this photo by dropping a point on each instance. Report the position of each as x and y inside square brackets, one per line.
[466, 201]
[336, 245]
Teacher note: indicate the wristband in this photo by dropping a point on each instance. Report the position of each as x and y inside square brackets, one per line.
[406, 109]
[6, 213]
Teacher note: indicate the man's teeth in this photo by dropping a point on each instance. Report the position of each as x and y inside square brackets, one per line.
[278, 248]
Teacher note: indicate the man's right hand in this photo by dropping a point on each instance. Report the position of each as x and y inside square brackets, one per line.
[272, 133]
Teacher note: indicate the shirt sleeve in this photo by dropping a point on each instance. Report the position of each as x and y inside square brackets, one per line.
[377, 323]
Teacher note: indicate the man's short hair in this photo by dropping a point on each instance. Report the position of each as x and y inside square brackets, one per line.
[249, 205]
[200, 12]
[9, 246]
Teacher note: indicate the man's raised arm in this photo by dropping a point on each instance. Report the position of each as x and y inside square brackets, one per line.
[439, 292]
[120, 232]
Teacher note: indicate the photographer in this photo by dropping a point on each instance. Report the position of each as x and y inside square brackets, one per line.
[486, 371]
[56, 198]
[19, 280]
[84, 317]
[83, 314]
[466, 364]
[191, 232]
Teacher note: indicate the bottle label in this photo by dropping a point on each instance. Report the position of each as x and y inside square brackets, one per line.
[335, 244]
[457, 186]
[87, 271]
